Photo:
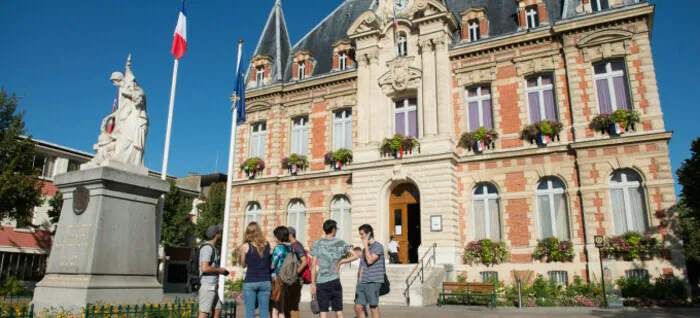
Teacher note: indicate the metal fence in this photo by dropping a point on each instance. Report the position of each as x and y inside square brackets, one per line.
[168, 310]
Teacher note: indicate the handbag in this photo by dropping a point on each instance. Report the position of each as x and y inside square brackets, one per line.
[315, 309]
[276, 289]
[386, 286]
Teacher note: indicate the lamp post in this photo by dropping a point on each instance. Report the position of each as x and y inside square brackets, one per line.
[599, 241]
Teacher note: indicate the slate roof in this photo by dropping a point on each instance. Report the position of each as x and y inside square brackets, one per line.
[274, 42]
[569, 9]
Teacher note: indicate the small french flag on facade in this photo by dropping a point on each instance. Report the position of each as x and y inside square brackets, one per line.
[115, 105]
[396, 22]
[180, 40]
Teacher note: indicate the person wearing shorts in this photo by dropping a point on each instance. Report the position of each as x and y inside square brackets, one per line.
[326, 254]
[209, 272]
[371, 273]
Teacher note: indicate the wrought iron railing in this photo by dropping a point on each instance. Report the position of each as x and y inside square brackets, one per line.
[419, 271]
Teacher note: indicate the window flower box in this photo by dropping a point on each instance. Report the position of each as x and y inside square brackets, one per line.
[542, 132]
[553, 250]
[631, 246]
[617, 122]
[252, 166]
[295, 163]
[478, 140]
[338, 158]
[398, 146]
[486, 252]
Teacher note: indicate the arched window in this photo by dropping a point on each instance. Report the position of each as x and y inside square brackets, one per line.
[340, 212]
[629, 211]
[551, 209]
[252, 213]
[296, 218]
[487, 220]
[402, 45]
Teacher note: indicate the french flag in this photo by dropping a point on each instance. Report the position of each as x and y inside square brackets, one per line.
[396, 22]
[115, 105]
[180, 40]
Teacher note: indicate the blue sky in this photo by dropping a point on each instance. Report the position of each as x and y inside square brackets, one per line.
[58, 55]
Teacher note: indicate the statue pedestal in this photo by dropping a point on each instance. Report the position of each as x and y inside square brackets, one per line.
[104, 248]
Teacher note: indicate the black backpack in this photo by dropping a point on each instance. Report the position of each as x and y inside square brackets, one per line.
[193, 278]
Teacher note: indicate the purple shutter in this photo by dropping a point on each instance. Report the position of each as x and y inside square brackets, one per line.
[399, 123]
[549, 105]
[473, 116]
[603, 96]
[412, 124]
[621, 92]
[534, 100]
[487, 113]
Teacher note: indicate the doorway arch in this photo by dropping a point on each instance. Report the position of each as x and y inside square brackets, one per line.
[405, 221]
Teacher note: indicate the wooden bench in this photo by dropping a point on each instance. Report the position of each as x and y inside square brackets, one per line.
[468, 291]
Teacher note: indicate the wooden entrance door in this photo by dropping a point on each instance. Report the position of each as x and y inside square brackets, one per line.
[400, 198]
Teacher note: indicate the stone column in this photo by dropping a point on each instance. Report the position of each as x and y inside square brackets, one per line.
[445, 116]
[377, 99]
[363, 100]
[429, 102]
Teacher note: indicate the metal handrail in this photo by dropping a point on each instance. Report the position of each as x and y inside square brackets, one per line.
[410, 281]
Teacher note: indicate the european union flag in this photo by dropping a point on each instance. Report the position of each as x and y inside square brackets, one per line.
[239, 98]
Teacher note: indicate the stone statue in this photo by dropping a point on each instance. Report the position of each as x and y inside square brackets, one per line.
[127, 142]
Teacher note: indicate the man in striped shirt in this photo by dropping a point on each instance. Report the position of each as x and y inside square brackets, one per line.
[371, 274]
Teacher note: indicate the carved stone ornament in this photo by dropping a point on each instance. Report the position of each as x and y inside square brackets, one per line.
[81, 200]
[483, 73]
[401, 75]
[341, 102]
[605, 44]
[538, 63]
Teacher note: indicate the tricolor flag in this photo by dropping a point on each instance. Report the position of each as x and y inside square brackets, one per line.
[396, 22]
[180, 40]
[115, 105]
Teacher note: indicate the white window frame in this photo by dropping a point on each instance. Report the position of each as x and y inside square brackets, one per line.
[296, 213]
[540, 89]
[640, 274]
[550, 192]
[474, 30]
[252, 213]
[346, 119]
[302, 70]
[626, 187]
[485, 275]
[342, 61]
[402, 45]
[300, 135]
[609, 75]
[600, 6]
[407, 107]
[486, 196]
[260, 76]
[340, 206]
[479, 98]
[258, 134]
[561, 277]
[532, 16]
[46, 173]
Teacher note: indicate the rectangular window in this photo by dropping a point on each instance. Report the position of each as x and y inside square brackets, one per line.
[258, 140]
[479, 112]
[474, 30]
[599, 5]
[342, 129]
[302, 70]
[560, 277]
[260, 76]
[300, 135]
[342, 61]
[532, 17]
[45, 164]
[540, 98]
[611, 85]
[489, 276]
[639, 274]
[73, 165]
[405, 117]
[402, 46]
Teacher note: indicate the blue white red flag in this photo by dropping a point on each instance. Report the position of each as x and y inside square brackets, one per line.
[115, 106]
[180, 41]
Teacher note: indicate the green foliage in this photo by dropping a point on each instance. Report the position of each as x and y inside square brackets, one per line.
[11, 286]
[343, 155]
[553, 250]
[300, 160]
[486, 252]
[664, 291]
[253, 164]
[55, 206]
[690, 231]
[461, 278]
[407, 143]
[689, 178]
[631, 245]
[211, 211]
[627, 118]
[20, 186]
[176, 224]
[488, 136]
[546, 127]
[233, 289]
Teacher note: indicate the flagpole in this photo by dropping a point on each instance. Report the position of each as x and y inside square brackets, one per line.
[229, 179]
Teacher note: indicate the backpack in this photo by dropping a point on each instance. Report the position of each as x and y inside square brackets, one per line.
[288, 271]
[306, 273]
[194, 279]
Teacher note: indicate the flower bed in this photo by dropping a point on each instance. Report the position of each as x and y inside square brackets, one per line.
[478, 140]
[631, 246]
[295, 163]
[486, 252]
[253, 166]
[338, 158]
[398, 145]
[233, 289]
[553, 250]
[617, 122]
[179, 308]
[542, 132]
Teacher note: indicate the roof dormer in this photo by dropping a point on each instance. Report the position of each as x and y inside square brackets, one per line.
[532, 14]
[475, 25]
[343, 56]
[303, 64]
[260, 71]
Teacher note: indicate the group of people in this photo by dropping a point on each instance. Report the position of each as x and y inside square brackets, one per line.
[267, 287]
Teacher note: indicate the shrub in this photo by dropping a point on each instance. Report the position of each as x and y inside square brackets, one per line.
[486, 252]
[488, 136]
[255, 164]
[631, 245]
[234, 289]
[300, 160]
[627, 118]
[11, 286]
[407, 143]
[545, 127]
[664, 291]
[341, 155]
[554, 250]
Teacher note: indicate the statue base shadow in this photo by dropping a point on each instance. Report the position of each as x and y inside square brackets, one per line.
[104, 250]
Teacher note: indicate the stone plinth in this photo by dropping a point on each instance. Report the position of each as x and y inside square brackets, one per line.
[104, 249]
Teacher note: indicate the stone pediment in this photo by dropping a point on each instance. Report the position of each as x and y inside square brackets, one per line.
[401, 76]
[368, 21]
[605, 44]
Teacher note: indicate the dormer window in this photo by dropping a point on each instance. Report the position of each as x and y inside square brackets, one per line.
[342, 61]
[402, 45]
[475, 24]
[599, 5]
[532, 17]
[260, 71]
[474, 30]
[303, 65]
[260, 76]
[302, 71]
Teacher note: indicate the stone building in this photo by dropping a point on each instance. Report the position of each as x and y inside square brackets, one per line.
[438, 69]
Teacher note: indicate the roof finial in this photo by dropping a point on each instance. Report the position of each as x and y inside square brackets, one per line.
[278, 3]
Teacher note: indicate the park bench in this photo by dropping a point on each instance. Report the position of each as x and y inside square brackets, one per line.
[468, 291]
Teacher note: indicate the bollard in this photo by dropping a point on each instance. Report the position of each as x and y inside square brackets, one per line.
[520, 293]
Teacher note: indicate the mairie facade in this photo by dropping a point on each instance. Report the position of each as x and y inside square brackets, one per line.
[437, 71]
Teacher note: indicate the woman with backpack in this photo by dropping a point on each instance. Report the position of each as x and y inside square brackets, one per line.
[283, 273]
[255, 254]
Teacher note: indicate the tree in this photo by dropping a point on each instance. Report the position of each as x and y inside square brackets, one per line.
[689, 178]
[176, 224]
[690, 233]
[20, 186]
[55, 206]
[211, 211]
